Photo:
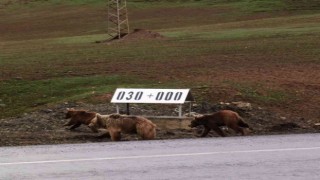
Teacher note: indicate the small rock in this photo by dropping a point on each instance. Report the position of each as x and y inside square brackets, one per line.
[195, 105]
[47, 110]
[283, 118]
[243, 105]
[224, 103]
[170, 133]
[18, 78]
[192, 114]
[285, 126]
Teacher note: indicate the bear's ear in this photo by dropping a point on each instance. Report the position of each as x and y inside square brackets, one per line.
[115, 116]
[66, 111]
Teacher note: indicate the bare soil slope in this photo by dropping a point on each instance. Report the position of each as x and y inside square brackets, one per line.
[46, 126]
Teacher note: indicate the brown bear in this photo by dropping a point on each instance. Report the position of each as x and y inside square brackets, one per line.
[78, 117]
[215, 121]
[116, 124]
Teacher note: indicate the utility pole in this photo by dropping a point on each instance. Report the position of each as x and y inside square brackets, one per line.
[118, 23]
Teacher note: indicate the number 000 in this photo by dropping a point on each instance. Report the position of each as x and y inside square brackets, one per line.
[168, 96]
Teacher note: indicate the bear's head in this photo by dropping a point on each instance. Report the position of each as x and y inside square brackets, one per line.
[199, 120]
[100, 121]
[70, 112]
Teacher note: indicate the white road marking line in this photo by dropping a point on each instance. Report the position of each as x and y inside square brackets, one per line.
[158, 156]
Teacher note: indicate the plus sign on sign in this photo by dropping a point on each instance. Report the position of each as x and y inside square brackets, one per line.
[169, 96]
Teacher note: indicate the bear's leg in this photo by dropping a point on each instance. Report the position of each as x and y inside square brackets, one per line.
[237, 129]
[243, 131]
[115, 134]
[69, 123]
[205, 131]
[93, 129]
[106, 134]
[75, 126]
[219, 131]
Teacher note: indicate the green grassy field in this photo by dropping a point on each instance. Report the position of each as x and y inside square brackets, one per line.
[251, 48]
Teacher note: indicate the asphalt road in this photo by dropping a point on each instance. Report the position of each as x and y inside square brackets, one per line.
[250, 157]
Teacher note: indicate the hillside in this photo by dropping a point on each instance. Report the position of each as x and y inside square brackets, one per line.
[265, 52]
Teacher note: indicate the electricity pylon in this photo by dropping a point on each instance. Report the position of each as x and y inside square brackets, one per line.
[118, 23]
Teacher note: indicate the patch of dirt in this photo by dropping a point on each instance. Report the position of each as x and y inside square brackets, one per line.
[143, 34]
[137, 34]
[45, 126]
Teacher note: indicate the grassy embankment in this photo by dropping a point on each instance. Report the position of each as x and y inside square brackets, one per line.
[48, 54]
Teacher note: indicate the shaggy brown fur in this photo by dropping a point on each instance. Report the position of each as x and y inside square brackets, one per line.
[216, 120]
[78, 117]
[117, 124]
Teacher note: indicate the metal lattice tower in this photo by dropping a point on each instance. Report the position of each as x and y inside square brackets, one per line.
[118, 23]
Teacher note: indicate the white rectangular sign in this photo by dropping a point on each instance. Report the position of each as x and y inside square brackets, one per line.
[168, 96]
